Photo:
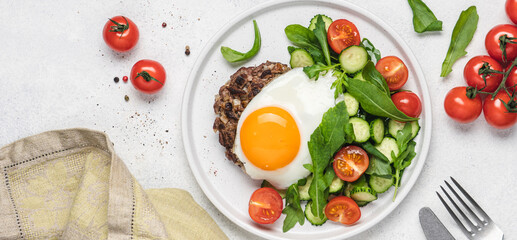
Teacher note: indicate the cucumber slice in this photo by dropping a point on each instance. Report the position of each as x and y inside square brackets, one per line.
[326, 19]
[361, 203]
[361, 129]
[380, 184]
[353, 59]
[394, 127]
[316, 221]
[377, 130]
[301, 58]
[352, 105]
[363, 194]
[360, 182]
[387, 146]
[269, 185]
[304, 190]
[336, 185]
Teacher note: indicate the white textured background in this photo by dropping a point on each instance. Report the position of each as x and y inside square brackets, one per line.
[56, 72]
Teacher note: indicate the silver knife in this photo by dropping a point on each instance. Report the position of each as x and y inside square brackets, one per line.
[432, 226]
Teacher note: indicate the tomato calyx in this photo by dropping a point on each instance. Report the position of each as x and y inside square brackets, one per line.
[511, 105]
[147, 77]
[503, 40]
[119, 28]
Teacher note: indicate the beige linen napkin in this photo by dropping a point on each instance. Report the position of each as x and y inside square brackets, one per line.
[70, 184]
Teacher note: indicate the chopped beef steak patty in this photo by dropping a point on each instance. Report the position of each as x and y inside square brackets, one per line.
[235, 95]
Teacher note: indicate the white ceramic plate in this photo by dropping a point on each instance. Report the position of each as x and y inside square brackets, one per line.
[226, 185]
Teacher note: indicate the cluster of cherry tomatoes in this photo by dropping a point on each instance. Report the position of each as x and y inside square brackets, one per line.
[121, 34]
[492, 77]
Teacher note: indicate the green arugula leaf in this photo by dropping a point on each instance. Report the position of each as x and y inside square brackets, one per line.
[234, 56]
[403, 137]
[368, 147]
[401, 162]
[339, 85]
[461, 36]
[315, 70]
[373, 52]
[371, 74]
[379, 168]
[423, 18]
[293, 209]
[321, 34]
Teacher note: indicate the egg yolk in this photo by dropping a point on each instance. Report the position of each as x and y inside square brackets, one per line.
[270, 138]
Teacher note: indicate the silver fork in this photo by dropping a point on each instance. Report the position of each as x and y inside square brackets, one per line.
[478, 226]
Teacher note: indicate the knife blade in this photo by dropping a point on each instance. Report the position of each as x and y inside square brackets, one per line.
[432, 226]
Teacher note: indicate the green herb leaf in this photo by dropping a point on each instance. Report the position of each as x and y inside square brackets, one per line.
[371, 74]
[368, 147]
[234, 56]
[315, 70]
[305, 38]
[423, 18]
[375, 101]
[461, 36]
[291, 49]
[379, 168]
[401, 162]
[403, 137]
[321, 34]
[293, 209]
[373, 52]
[339, 84]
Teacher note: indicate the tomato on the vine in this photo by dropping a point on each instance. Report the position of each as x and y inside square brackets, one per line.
[511, 81]
[496, 113]
[460, 107]
[148, 76]
[342, 34]
[265, 205]
[474, 79]
[408, 103]
[343, 209]
[393, 70]
[350, 163]
[511, 10]
[120, 33]
[492, 42]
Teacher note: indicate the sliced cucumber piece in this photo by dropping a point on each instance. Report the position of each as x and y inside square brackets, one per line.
[304, 190]
[352, 105]
[353, 59]
[336, 185]
[363, 194]
[361, 203]
[377, 130]
[361, 129]
[316, 221]
[269, 185]
[394, 127]
[387, 146]
[326, 19]
[360, 182]
[380, 184]
[301, 58]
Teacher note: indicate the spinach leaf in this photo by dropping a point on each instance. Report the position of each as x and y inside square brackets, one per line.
[374, 101]
[305, 38]
[315, 70]
[371, 74]
[368, 147]
[401, 162]
[403, 137]
[321, 34]
[373, 52]
[379, 168]
[234, 56]
[461, 36]
[291, 49]
[293, 209]
[423, 18]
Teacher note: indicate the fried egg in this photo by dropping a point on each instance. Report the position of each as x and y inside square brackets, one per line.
[276, 125]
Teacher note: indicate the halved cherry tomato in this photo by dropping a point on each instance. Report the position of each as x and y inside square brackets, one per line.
[461, 108]
[343, 209]
[474, 79]
[342, 34]
[350, 163]
[265, 205]
[408, 103]
[496, 113]
[511, 81]
[120, 33]
[511, 10]
[492, 42]
[148, 76]
[394, 71]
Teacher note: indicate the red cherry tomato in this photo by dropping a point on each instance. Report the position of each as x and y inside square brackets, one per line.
[511, 81]
[394, 71]
[461, 108]
[408, 103]
[148, 76]
[496, 113]
[474, 79]
[350, 163]
[265, 205]
[511, 10]
[120, 34]
[492, 42]
[342, 34]
[343, 209]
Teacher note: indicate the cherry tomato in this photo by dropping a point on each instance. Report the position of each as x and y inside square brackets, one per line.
[148, 76]
[496, 113]
[350, 163]
[492, 42]
[120, 33]
[408, 103]
[461, 108]
[474, 79]
[265, 205]
[511, 81]
[394, 71]
[342, 34]
[511, 10]
[343, 209]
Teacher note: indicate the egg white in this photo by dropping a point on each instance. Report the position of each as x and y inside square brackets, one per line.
[306, 100]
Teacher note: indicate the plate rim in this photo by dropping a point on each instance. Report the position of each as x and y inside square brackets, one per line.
[188, 142]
